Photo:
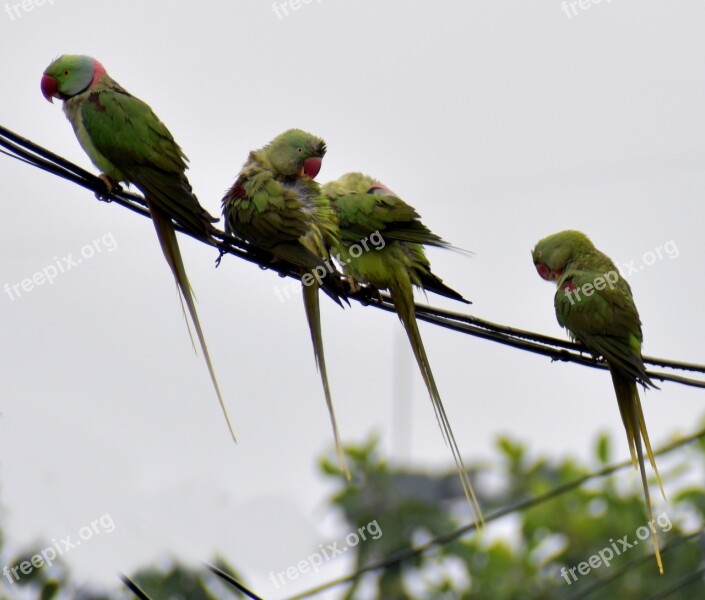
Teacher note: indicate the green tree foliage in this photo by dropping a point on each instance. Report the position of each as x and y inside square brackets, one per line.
[169, 580]
[528, 554]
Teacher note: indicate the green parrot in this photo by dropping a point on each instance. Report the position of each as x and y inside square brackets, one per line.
[276, 205]
[128, 142]
[595, 304]
[369, 212]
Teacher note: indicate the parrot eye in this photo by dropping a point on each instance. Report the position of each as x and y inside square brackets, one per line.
[539, 254]
[66, 72]
[299, 150]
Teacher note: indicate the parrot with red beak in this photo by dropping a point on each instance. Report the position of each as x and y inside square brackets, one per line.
[276, 205]
[128, 143]
[595, 304]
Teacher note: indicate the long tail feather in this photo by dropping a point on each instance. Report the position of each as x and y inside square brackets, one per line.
[313, 315]
[403, 299]
[635, 426]
[432, 283]
[170, 247]
[647, 497]
[647, 443]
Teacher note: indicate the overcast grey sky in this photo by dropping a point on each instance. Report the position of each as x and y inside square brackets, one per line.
[501, 122]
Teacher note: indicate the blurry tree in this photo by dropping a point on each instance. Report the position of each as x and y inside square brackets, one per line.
[541, 552]
[169, 580]
[528, 554]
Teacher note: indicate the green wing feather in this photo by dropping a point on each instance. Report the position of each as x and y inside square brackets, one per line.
[361, 214]
[128, 141]
[266, 212]
[608, 323]
[289, 217]
[365, 207]
[126, 132]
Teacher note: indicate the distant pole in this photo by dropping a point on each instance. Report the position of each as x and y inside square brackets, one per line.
[402, 405]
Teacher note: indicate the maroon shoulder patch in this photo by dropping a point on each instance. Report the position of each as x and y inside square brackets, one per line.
[569, 286]
[237, 190]
[94, 99]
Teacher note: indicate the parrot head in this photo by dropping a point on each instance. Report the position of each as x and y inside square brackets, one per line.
[296, 153]
[553, 253]
[356, 183]
[69, 75]
[350, 183]
[380, 189]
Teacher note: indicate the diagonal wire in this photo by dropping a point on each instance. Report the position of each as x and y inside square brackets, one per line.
[232, 581]
[335, 285]
[552, 347]
[548, 340]
[134, 588]
[30, 153]
[616, 574]
[681, 583]
[446, 538]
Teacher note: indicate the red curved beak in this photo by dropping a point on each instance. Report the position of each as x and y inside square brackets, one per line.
[50, 89]
[544, 272]
[312, 166]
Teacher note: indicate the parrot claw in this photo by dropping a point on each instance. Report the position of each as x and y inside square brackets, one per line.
[368, 294]
[110, 187]
[221, 254]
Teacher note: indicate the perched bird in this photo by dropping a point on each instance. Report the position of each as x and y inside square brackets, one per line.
[128, 142]
[595, 304]
[276, 205]
[367, 213]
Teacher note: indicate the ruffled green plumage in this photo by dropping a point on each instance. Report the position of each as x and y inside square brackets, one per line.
[367, 209]
[276, 207]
